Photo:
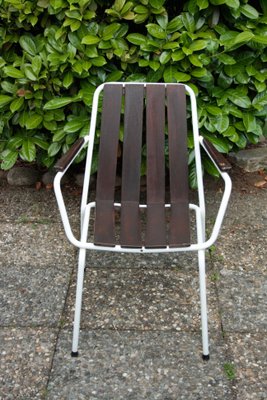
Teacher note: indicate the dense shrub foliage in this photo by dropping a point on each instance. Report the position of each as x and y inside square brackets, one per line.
[55, 52]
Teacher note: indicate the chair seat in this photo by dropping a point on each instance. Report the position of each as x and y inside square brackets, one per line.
[154, 124]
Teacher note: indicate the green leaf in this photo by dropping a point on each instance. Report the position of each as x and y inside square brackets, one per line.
[98, 61]
[68, 79]
[114, 76]
[182, 77]
[217, 2]
[16, 104]
[260, 39]
[226, 59]
[28, 44]
[165, 57]
[175, 24]
[232, 134]
[157, 3]
[250, 122]
[189, 22]
[54, 148]
[193, 176]
[156, 31]
[233, 3]
[59, 135]
[90, 39]
[220, 143]
[214, 110]
[141, 9]
[58, 103]
[249, 11]
[33, 121]
[210, 167]
[199, 72]
[13, 72]
[109, 31]
[29, 73]
[197, 45]
[169, 74]
[40, 142]
[9, 158]
[178, 55]
[239, 100]
[8, 87]
[243, 37]
[136, 38]
[28, 150]
[233, 70]
[202, 4]
[36, 65]
[4, 100]
[74, 125]
[194, 59]
[260, 100]
[220, 122]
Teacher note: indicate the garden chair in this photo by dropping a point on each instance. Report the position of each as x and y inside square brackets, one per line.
[154, 117]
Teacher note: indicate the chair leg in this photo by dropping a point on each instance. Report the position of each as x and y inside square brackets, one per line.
[203, 303]
[78, 302]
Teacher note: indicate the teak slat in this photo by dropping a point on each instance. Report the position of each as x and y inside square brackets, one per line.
[64, 161]
[131, 164]
[155, 124]
[179, 231]
[106, 176]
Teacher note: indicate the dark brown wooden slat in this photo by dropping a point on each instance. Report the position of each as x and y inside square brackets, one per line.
[131, 164]
[179, 231]
[218, 157]
[110, 125]
[155, 124]
[64, 161]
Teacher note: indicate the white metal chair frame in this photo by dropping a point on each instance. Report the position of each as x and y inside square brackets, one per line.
[201, 245]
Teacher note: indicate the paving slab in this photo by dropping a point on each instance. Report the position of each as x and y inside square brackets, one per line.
[248, 352]
[26, 204]
[35, 244]
[26, 358]
[242, 299]
[31, 296]
[242, 249]
[136, 366]
[142, 299]
[140, 335]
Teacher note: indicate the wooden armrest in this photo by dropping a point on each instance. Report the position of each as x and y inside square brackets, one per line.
[218, 157]
[63, 162]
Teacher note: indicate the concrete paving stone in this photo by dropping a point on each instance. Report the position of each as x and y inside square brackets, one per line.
[241, 248]
[101, 259]
[248, 352]
[26, 357]
[35, 244]
[247, 209]
[142, 299]
[136, 366]
[32, 296]
[242, 299]
[31, 205]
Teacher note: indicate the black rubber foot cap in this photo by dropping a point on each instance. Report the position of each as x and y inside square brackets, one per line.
[205, 357]
[74, 354]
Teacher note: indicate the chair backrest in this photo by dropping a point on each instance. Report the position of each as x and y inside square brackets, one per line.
[154, 124]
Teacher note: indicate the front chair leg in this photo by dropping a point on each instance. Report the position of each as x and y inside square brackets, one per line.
[78, 302]
[203, 303]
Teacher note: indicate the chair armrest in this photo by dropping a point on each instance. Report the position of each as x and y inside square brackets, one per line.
[65, 160]
[216, 156]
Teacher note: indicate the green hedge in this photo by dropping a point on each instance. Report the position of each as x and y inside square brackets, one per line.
[54, 53]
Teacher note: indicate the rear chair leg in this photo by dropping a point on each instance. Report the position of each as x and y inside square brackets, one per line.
[203, 303]
[78, 303]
